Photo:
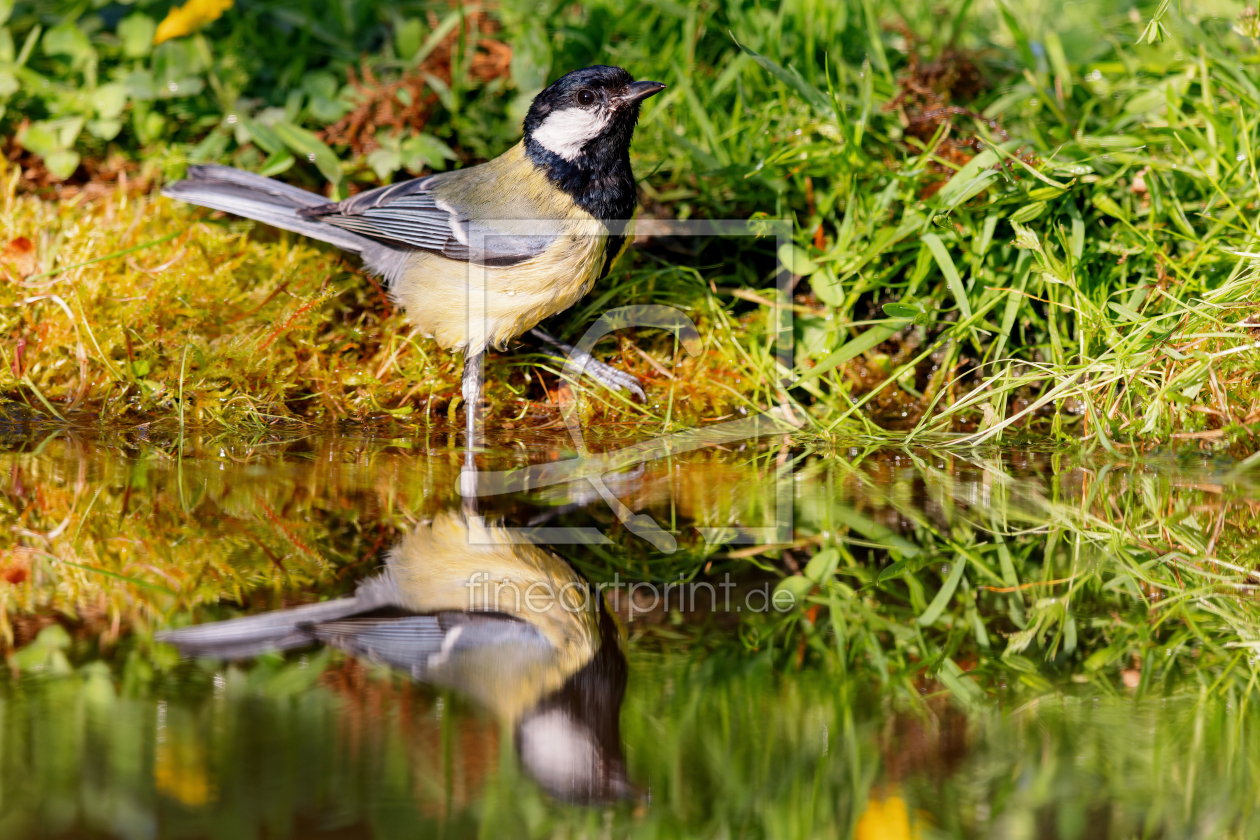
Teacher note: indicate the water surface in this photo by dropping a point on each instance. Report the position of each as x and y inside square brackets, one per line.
[1088, 671]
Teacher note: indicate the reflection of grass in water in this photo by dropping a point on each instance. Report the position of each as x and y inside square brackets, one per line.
[1111, 576]
[734, 744]
[724, 745]
[920, 572]
[213, 526]
[123, 532]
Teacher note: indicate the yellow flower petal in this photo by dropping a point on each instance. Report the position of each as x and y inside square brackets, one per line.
[180, 771]
[886, 819]
[188, 18]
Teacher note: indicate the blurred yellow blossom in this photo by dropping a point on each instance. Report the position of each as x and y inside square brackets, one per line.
[180, 767]
[188, 18]
[886, 819]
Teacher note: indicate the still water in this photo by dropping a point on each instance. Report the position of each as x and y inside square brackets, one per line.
[723, 638]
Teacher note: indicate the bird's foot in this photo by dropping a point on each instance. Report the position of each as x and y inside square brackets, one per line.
[606, 375]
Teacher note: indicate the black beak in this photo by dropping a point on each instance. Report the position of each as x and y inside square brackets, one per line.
[638, 91]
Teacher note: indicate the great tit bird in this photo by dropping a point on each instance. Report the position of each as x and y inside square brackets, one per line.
[511, 625]
[542, 223]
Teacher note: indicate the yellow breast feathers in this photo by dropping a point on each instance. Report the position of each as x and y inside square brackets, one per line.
[469, 307]
[463, 565]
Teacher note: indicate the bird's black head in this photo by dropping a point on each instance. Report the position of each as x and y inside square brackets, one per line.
[579, 130]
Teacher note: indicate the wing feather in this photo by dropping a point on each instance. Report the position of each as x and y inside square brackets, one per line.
[411, 215]
[417, 642]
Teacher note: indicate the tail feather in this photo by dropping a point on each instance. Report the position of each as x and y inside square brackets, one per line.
[239, 638]
[262, 199]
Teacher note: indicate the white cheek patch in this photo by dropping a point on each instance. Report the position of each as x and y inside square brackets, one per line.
[566, 132]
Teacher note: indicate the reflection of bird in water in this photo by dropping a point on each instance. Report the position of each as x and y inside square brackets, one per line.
[513, 626]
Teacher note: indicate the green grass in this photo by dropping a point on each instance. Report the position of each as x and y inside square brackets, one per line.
[1011, 217]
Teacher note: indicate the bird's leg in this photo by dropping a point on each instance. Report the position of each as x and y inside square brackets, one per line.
[472, 384]
[606, 375]
[473, 379]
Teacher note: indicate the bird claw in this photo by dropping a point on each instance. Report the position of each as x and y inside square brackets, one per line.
[610, 377]
[615, 379]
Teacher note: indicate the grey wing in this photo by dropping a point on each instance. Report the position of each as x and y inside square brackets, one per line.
[421, 643]
[382, 196]
[408, 214]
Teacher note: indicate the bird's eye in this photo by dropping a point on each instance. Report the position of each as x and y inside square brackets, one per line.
[585, 98]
